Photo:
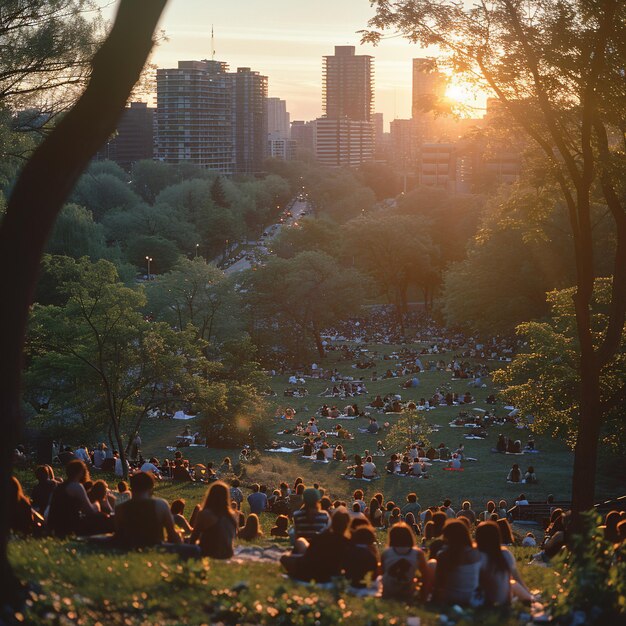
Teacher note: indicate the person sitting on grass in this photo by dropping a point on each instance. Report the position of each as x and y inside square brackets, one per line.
[530, 476]
[515, 474]
[467, 513]
[395, 517]
[143, 520]
[236, 495]
[400, 562]
[257, 500]
[369, 469]
[216, 525]
[70, 507]
[22, 518]
[177, 509]
[252, 529]
[99, 495]
[42, 491]
[458, 566]
[375, 514]
[180, 474]
[309, 520]
[499, 578]
[280, 528]
[362, 558]
[455, 462]
[412, 505]
[324, 555]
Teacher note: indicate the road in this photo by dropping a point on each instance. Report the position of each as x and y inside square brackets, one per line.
[297, 209]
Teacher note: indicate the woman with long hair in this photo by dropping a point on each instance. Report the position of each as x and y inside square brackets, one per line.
[458, 566]
[69, 500]
[375, 514]
[400, 562]
[215, 524]
[252, 528]
[499, 578]
[506, 534]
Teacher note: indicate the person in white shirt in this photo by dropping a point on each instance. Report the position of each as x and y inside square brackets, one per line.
[119, 467]
[99, 455]
[369, 469]
[151, 466]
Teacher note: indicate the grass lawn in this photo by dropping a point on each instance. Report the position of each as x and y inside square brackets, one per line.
[80, 584]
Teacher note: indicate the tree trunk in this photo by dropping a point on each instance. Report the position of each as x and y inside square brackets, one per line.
[318, 341]
[589, 426]
[41, 190]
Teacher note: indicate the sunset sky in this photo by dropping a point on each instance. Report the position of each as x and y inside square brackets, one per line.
[286, 40]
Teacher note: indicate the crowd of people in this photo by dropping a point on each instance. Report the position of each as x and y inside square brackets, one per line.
[435, 553]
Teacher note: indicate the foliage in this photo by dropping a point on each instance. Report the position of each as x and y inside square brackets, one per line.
[195, 293]
[75, 234]
[543, 379]
[310, 234]
[163, 253]
[95, 360]
[395, 250]
[592, 578]
[102, 192]
[306, 293]
[46, 48]
[410, 428]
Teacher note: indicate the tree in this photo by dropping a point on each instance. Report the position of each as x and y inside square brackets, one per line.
[45, 46]
[309, 234]
[150, 178]
[194, 294]
[103, 192]
[98, 361]
[76, 234]
[557, 70]
[163, 253]
[39, 194]
[410, 428]
[306, 293]
[396, 251]
[543, 380]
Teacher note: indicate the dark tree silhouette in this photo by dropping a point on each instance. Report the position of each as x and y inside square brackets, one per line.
[39, 194]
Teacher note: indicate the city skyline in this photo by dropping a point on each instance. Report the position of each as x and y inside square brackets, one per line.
[286, 42]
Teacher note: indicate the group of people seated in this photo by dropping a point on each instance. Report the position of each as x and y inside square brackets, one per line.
[449, 567]
[453, 557]
[515, 475]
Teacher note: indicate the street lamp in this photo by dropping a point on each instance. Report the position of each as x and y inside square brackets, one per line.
[148, 259]
[197, 246]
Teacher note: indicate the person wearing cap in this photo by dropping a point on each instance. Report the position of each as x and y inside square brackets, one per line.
[309, 520]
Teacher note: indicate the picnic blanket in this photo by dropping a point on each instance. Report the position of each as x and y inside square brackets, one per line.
[181, 415]
[283, 450]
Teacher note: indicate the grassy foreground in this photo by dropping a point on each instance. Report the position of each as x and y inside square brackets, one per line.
[79, 584]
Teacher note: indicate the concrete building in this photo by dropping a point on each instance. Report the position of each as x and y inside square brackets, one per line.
[134, 137]
[250, 120]
[277, 118]
[348, 89]
[194, 116]
[404, 145]
[429, 86]
[280, 148]
[303, 134]
[343, 142]
[437, 166]
[345, 135]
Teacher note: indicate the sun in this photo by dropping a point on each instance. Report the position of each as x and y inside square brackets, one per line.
[464, 96]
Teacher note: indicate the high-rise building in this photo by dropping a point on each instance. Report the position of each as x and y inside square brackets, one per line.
[438, 165]
[345, 135]
[211, 117]
[379, 131]
[348, 85]
[134, 137]
[429, 86]
[404, 145]
[343, 142]
[194, 117]
[284, 149]
[250, 120]
[277, 118]
[303, 134]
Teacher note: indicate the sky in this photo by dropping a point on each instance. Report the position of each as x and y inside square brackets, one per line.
[286, 40]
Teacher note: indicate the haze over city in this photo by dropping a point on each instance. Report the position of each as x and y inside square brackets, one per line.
[285, 41]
